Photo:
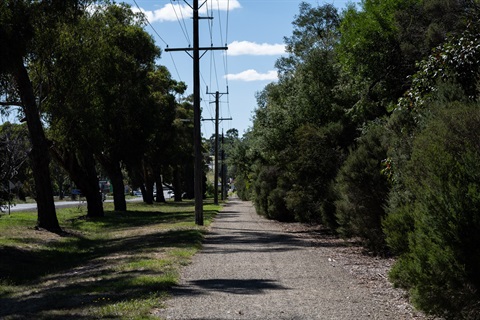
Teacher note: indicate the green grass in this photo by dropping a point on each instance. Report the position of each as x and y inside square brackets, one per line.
[119, 266]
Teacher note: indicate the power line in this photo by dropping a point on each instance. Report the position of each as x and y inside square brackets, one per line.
[220, 20]
[160, 37]
[175, 66]
[182, 27]
[150, 23]
[225, 56]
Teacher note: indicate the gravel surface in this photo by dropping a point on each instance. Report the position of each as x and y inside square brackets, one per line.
[253, 268]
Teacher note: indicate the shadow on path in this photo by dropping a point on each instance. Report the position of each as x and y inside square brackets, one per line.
[231, 286]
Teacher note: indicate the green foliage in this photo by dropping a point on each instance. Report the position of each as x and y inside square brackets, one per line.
[441, 263]
[314, 28]
[294, 144]
[269, 193]
[367, 45]
[457, 61]
[362, 189]
[438, 20]
[238, 160]
[368, 83]
[312, 171]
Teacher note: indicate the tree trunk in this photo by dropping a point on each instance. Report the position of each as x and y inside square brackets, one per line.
[39, 155]
[160, 196]
[148, 196]
[119, 202]
[114, 172]
[81, 168]
[91, 188]
[94, 201]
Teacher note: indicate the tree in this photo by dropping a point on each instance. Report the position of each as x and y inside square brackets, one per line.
[128, 116]
[165, 142]
[298, 133]
[23, 25]
[104, 112]
[313, 28]
[312, 170]
[239, 163]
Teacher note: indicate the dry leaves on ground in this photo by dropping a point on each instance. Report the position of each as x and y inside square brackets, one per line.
[370, 271]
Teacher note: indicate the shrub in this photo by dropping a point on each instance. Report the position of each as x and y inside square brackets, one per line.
[312, 171]
[242, 187]
[269, 194]
[440, 265]
[362, 190]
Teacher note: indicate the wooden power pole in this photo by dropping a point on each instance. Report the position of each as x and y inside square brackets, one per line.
[198, 167]
[217, 120]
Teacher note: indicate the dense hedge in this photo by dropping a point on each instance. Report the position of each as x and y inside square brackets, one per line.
[441, 263]
[363, 188]
[373, 130]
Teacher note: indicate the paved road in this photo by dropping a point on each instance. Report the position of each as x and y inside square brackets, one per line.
[251, 269]
[33, 206]
[58, 204]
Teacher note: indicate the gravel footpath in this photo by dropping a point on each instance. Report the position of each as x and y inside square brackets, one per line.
[250, 268]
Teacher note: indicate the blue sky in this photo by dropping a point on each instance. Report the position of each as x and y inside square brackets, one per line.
[253, 30]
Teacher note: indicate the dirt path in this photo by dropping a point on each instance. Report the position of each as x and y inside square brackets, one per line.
[250, 268]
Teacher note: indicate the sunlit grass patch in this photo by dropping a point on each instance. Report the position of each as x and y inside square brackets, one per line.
[117, 266]
[145, 264]
[183, 256]
[130, 309]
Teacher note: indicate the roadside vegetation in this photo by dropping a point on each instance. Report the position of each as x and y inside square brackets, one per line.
[372, 130]
[117, 266]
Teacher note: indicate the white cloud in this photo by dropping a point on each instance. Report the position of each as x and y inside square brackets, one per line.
[223, 5]
[237, 48]
[172, 12]
[253, 75]
[169, 12]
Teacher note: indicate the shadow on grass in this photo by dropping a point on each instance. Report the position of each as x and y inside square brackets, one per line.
[19, 265]
[87, 281]
[75, 272]
[66, 300]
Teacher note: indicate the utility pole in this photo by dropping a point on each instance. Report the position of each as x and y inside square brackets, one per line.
[198, 168]
[224, 172]
[217, 119]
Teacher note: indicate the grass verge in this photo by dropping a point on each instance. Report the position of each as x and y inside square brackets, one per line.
[119, 266]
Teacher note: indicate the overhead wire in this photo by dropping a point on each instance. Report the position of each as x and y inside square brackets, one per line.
[160, 37]
[225, 57]
[213, 62]
[182, 27]
[142, 11]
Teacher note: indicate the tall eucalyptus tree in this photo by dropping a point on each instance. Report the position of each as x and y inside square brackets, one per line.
[25, 27]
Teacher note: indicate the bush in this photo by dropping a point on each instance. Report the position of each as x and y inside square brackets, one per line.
[440, 265]
[269, 194]
[362, 190]
[242, 187]
[314, 167]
